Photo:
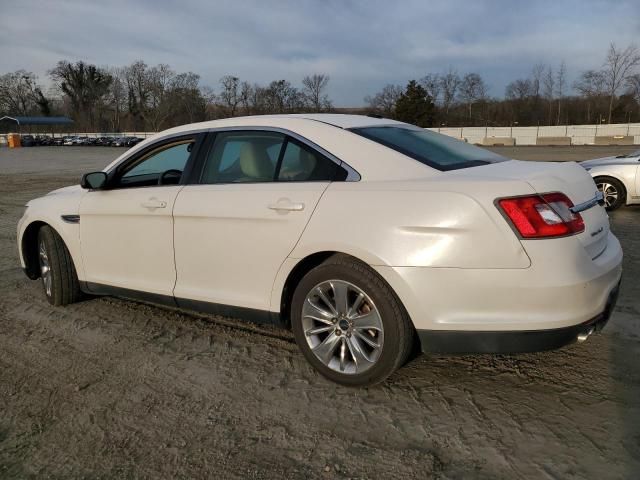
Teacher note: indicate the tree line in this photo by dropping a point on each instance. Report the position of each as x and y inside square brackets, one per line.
[141, 97]
[610, 94]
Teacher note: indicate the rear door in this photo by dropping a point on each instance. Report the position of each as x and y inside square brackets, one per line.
[233, 229]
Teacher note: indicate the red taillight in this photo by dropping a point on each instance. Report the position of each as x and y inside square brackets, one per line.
[542, 216]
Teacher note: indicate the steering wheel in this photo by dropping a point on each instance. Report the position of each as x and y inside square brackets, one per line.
[174, 177]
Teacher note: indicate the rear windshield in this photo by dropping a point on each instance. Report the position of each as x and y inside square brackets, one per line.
[431, 148]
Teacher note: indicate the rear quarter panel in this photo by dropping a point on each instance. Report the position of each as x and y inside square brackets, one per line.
[415, 224]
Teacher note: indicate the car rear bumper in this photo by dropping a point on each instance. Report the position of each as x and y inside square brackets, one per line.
[563, 289]
[443, 341]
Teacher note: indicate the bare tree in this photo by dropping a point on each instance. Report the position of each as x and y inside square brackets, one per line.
[618, 66]
[230, 94]
[633, 86]
[432, 83]
[592, 86]
[117, 97]
[246, 93]
[159, 81]
[449, 82]
[560, 84]
[136, 78]
[519, 89]
[20, 94]
[282, 97]
[472, 88]
[537, 74]
[549, 90]
[385, 100]
[85, 85]
[313, 88]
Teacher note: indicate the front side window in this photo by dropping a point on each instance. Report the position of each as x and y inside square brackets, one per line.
[431, 148]
[163, 165]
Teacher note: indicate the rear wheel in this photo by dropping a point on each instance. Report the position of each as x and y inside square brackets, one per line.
[349, 324]
[613, 191]
[58, 274]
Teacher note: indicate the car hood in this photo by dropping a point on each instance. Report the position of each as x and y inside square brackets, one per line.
[597, 162]
[66, 190]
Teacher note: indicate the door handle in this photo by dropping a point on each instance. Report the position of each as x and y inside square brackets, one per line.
[287, 206]
[153, 203]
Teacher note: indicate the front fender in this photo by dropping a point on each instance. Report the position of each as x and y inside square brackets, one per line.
[49, 210]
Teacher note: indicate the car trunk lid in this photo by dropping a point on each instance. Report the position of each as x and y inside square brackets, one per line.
[565, 177]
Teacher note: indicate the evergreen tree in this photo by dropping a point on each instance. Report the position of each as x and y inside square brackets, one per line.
[415, 106]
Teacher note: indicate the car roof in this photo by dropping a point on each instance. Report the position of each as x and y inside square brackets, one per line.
[334, 119]
[344, 120]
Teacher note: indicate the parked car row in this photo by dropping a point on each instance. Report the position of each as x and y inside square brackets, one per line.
[105, 141]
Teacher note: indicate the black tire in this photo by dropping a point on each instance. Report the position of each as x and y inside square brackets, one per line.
[619, 188]
[398, 329]
[65, 288]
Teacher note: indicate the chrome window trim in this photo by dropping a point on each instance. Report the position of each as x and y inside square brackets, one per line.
[352, 173]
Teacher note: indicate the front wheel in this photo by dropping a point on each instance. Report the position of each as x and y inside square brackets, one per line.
[57, 271]
[613, 192]
[349, 324]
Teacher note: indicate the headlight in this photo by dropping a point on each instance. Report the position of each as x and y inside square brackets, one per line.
[587, 168]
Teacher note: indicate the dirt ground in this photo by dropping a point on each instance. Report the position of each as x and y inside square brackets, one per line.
[109, 388]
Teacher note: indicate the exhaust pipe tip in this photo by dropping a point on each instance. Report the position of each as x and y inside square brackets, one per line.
[582, 336]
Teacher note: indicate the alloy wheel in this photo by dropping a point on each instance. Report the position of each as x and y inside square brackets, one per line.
[342, 326]
[45, 268]
[610, 193]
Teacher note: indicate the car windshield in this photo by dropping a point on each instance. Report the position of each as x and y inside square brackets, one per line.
[434, 149]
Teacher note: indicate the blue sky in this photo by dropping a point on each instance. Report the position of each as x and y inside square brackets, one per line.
[361, 44]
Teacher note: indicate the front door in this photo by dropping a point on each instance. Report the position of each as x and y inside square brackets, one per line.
[126, 230]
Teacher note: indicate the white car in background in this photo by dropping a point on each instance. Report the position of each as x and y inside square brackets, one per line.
[368, 237]
[618, 178]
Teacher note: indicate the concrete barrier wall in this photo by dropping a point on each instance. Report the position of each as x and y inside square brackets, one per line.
[579, 134]
[498, 141]
[548, 141]
[614, 140]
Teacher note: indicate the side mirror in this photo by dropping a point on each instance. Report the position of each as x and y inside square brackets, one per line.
[93, 180]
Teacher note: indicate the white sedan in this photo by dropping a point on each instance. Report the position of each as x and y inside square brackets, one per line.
[368, 237]
[618, 178]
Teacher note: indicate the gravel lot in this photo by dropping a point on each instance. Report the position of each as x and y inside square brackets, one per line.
[109, 388]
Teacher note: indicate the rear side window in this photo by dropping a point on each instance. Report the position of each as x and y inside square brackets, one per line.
[241, 157]
[302, 164]
[431, 148]
[263, 156]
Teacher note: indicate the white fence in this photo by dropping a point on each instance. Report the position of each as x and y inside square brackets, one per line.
[579, 134]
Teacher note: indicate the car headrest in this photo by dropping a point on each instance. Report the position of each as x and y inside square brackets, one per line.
[254, 162]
